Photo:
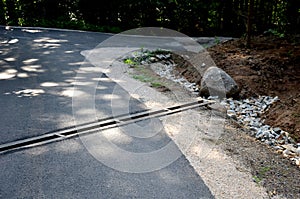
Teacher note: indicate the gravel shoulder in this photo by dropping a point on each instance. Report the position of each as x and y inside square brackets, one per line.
[225, 175]
[237, 166]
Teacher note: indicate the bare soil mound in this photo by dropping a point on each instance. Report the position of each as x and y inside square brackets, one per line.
[271, 66]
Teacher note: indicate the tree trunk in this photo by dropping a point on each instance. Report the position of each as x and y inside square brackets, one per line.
[249, 22]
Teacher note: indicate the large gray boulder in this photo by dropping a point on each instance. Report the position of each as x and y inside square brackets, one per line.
[216, 82]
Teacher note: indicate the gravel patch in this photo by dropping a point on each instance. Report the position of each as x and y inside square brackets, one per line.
[218, 170]
[248, 113]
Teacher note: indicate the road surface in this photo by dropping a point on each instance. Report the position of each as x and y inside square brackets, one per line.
[38, 70]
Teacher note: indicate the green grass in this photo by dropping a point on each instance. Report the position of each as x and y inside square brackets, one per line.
[143, 70]
[143, 78]
[156, 84]
[263, 170]
[257, 179]
[261, 174]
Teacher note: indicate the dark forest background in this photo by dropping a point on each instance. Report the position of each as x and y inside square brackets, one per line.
[192, 17]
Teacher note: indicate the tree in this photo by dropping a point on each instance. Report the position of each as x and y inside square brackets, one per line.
[249, 21]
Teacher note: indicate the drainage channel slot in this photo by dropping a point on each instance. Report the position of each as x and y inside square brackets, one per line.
[106, 123]
[69, 133]
[122, 115]
[142, 115]
[185, 105]
[95, 126]
[28, 143]
[173, 112]
[135, 118]
[173, 108]
[69, 130]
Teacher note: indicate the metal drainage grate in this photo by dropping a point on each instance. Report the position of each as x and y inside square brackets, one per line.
[106, 123]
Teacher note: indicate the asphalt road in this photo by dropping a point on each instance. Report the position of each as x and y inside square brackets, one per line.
[38, 70]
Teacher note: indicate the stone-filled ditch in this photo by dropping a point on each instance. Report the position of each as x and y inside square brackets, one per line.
[246, 112]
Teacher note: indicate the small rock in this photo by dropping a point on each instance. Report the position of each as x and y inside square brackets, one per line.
[252, 128]
[243, 106]
[275, 99]
[298, 149]
[279, 136]
[253, 114]
[286, 134]
[213, 97]
[259, 134]
[267, 134]
[153, 59]
[286, 153]
[231, 114]
[278, 148]
[168, 56]
[290, 147]
[280, 141]
[277, 130]
[279, 151]
[269, 142]
[255, 124]
[161, 57]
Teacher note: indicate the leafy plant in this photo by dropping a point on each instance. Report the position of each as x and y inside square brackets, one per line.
[275, 33]
[289, 53]
[217, 40]
[130, 62]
